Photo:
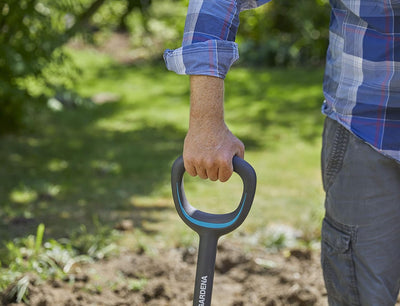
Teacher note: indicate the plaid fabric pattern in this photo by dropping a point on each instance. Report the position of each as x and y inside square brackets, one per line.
[362, 76]
[208, 46]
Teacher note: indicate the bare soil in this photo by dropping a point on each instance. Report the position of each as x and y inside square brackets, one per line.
[254, 277]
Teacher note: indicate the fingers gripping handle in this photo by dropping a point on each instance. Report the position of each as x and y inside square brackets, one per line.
[201, 221]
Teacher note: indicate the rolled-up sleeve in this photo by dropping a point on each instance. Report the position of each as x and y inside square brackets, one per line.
[208, 45]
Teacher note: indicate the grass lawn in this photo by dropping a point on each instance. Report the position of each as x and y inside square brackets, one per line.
[112, 161]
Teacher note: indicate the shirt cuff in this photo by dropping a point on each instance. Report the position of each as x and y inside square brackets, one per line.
[211, 57]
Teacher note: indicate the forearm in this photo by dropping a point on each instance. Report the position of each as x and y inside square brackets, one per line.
[206, 102]
[209, 145]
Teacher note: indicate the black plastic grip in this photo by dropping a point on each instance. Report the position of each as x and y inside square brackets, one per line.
[201, 221]
[211, 226]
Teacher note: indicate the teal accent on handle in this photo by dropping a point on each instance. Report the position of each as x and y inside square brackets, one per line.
[208, 224]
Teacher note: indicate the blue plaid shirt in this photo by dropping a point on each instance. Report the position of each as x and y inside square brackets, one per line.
[362, 75]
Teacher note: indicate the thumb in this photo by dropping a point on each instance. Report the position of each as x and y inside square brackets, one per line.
[240, 149]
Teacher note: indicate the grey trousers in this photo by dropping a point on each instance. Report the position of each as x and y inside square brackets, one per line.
[360, 239]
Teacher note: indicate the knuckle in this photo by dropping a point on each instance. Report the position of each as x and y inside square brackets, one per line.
[213, 178]
[225, 174]
[191, 173]
[203, 176]
[213, 175]
[225, 163]
[209, 163]
[224, 178]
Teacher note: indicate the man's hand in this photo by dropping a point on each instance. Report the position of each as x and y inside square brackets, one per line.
[209, 145]
[208, 153]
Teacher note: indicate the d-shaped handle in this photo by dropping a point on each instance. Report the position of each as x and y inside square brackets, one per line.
[219, 224]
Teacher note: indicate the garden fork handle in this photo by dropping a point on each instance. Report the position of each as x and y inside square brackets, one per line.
[211, 226]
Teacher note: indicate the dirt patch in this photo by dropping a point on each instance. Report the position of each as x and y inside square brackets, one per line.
[167, 277]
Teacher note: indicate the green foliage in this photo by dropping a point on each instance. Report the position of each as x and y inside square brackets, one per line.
[33, 64]
[30, 58]
[136, 284]
[30, 255]
[160, 28]
[24, 258]
[285, 33]
[132, 284]
[18, 293]
[99, 245]
[113, 14]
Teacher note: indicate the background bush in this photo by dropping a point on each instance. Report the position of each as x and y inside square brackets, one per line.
[285, 32]
[32, 32]
[34, 66]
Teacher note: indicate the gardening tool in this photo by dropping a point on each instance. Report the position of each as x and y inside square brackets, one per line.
[211, 226]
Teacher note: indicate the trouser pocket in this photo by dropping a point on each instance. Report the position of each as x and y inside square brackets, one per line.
[337, 263]
[334, 144]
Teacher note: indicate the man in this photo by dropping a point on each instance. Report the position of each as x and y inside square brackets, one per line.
[361, 142]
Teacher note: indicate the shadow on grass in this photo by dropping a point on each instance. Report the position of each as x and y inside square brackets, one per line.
[262, 99]
[70, 170]
[276, 99]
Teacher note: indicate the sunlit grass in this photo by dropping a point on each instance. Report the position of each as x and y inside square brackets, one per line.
[113, 160]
